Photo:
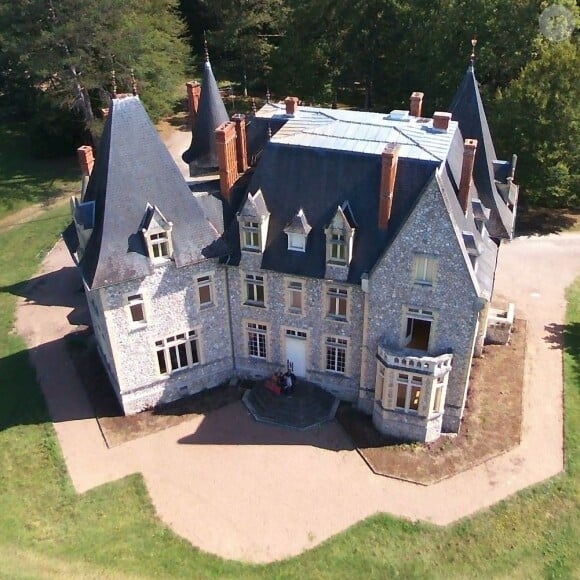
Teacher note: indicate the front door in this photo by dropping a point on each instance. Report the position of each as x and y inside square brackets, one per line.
[296, 352]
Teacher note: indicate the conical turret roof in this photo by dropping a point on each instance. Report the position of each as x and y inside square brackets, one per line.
[202, 153]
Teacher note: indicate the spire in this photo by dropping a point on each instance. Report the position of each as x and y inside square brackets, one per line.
[267, 96]
[254, 106]
[202, 153]
[114, 83]
[472, 56]
[205, 50]
[133, 83]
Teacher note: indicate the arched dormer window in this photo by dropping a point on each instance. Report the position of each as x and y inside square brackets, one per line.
[297, 231]
[340, 236]
[157, 234]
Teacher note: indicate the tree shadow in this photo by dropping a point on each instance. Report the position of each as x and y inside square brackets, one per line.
[532, 221]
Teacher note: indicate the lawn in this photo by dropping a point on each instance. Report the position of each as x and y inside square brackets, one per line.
[48, 531]
[24, 180]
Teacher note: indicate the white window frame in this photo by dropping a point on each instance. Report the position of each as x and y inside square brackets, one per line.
[252, 284]
[336, 354]
[338, 250]
[178, 352]
[136, 300]
[257, 340]
[205, 282]
[409, 384]
[421, 315]
[424, 269]
[335, 297]
[295, 287]
[159, 245]
[296, 242]
[251, 236]
[438, 393]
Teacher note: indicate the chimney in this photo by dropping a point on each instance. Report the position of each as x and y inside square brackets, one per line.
[225, 136]
[441, 120]
[193, 95]
[416, 104]
[469, 149]
[86, 159]
[241, 142]
[390, 158]
[291, 105]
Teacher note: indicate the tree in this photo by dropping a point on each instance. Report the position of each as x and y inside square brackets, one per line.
[61, 53]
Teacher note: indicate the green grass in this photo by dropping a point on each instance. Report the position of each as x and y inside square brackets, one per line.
[47, 530]
[24, 180]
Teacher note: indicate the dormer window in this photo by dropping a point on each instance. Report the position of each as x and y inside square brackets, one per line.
[156, 231]
[297, 231]
[340, 236]
[159, 245]
[253, 221]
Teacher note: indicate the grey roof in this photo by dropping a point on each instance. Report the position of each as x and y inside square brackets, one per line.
[133, 168]
[211, 113]
[467, 109]
[298, 224]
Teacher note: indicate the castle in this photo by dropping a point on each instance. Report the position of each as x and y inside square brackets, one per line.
[357, 248]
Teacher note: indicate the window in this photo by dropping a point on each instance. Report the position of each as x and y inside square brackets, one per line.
[438, 398]
[337, 302]
[297, 242]
[159, 245]
[136, 308]
[380, 381]
[205, 291]
[295, 297]
[336, 354]
[337, 248]
[255, 290]
[257, 340]
[424, 270]
[418, 328]
[408, 392]
[251, 236]
[177, 352]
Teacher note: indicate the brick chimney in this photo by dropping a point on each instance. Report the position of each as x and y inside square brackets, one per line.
[86, 159]
[225, 136]
[469, 149]
[241, 142]
[291, 105]
[416, 104]
[193, 95]
[390, 158]
[441, 120]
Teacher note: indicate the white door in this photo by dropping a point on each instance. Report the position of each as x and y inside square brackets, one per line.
[296, 355]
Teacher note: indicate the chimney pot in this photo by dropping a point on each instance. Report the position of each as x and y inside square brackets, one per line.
[469, 149]
[416, 104]
[390, 159]
[441, 120]
[193, 96]
[225, 136]
[291, 105]
[241, 142]
[86, 159]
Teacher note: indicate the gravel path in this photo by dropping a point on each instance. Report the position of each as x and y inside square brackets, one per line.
[254, 492]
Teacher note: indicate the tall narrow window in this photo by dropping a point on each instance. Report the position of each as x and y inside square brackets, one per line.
[136, 308]
[251, 236]
[295, 297]
[337, 302]
[338, 248]
[336, 354]
[257, 340]
[255, 290]
[408, 392]
[159, 245]
[418, 328]
[205, 291]
[424, 270]
[177, 352]
[438, 398]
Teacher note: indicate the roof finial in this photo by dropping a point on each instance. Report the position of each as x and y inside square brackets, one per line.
[268, 96]
[269, 132]
[114, 83]
[133, 83]
[254, 109]
[473, 45]
[205, 50]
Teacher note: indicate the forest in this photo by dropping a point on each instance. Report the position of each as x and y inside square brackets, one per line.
[56, 58]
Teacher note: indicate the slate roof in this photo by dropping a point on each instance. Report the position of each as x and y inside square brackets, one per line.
[467, 109]
[133, 168]
[211, 113]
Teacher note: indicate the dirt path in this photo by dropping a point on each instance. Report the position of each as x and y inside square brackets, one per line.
[255, 492]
